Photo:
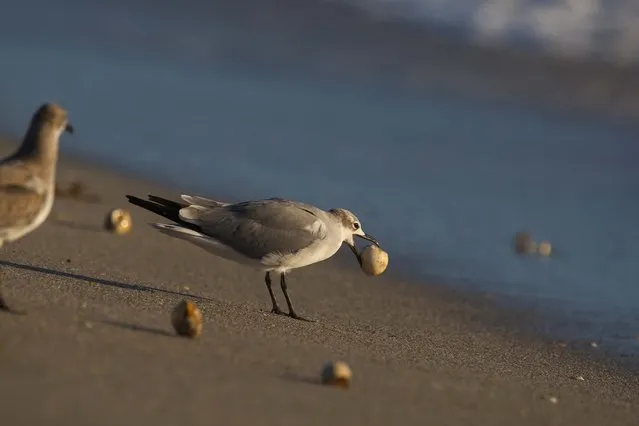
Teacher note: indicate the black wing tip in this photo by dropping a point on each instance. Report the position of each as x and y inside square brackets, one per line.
[133, 199]
[166, 202]
[149, 197]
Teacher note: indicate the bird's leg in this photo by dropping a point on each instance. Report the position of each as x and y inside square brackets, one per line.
[276, 309]
[3, 302]
[291, 311]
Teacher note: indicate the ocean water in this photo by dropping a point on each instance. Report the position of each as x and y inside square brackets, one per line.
[574, 28]
[224, 98]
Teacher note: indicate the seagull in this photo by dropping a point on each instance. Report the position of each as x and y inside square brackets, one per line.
[272, 235]
[27, 177]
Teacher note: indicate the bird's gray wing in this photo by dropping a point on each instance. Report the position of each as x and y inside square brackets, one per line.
[203, 202]
[22, 194]
[260, 228]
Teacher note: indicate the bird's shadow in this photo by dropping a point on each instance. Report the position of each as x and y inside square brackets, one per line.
[99, 281]
[135, 327]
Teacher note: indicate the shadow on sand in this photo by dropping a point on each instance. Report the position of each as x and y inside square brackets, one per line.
[4, 306]
[77, 226]
[135, 327]
[99, 281]
[299, 378]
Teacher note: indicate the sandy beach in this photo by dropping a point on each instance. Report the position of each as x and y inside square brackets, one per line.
[96, 346]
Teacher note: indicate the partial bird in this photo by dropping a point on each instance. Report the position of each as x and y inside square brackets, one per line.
[27, 177]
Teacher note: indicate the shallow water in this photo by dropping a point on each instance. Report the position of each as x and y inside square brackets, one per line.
[443, 181]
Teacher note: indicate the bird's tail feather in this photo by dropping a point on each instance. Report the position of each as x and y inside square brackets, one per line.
[163, 207]
[176, 230]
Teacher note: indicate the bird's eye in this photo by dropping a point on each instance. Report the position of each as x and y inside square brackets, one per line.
[356, 226]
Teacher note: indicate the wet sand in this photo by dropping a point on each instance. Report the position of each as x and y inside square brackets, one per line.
[96, 346]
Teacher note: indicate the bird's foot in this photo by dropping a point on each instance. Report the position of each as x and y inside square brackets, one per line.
[293, 315]
[6, 308]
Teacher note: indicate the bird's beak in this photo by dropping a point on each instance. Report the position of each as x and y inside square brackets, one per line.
[369, 238]
[69, 128]
[356, 253]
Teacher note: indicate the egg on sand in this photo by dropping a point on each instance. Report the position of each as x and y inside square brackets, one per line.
[336, 374]
[187, 319]
[118, 221]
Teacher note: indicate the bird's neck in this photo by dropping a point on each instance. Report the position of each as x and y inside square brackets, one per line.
[339, 221]
[40, 145]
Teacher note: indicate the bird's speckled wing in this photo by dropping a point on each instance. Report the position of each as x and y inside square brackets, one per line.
[22, 194]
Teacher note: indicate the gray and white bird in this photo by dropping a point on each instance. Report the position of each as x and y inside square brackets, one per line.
[27, 177]
[272, 235]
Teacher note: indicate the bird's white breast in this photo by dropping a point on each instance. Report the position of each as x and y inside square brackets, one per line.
[327, 244]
